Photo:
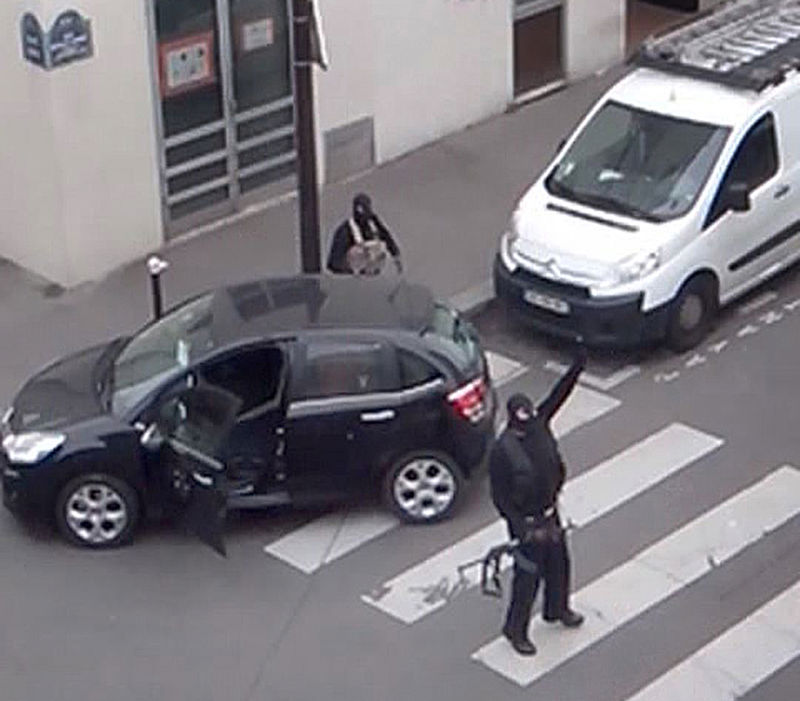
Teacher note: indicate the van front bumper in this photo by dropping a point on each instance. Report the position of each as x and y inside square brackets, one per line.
[611, 321]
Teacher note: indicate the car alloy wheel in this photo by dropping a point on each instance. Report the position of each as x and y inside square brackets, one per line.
[97, 511]
[423, 487]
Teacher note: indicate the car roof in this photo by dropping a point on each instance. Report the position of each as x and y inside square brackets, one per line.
[290, 305]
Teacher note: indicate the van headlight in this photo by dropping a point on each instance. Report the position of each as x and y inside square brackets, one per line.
[638, 266]
[507, 240]
[33, 447]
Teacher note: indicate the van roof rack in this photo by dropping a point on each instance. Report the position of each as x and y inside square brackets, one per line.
[750, 44]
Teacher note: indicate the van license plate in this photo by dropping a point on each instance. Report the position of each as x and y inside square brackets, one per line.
[552, 304]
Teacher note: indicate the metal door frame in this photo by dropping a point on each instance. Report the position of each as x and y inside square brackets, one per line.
[227, 124]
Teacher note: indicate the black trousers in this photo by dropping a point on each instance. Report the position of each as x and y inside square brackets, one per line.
[553, 566]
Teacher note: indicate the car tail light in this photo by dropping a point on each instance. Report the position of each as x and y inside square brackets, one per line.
[469, 400]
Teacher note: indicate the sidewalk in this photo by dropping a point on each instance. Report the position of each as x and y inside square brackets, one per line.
[446, 203]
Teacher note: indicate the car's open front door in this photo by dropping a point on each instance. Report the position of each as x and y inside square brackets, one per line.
[195, 425]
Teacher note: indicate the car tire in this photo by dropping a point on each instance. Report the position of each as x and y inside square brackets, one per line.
[97, 510]
[423, 487]
[691, 314]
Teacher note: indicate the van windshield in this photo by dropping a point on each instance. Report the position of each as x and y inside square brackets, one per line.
[638, 163]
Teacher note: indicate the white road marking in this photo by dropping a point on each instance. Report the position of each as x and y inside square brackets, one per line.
[601, 383]
[791, 306]
[696, 359]
[771, 317]
[758, 302]
[718, 347]
[502, 369]
[328, 538]
[633, 471]
[748, 330]
[667, 376]
[739, 659]
[429, 585]
[653, 575]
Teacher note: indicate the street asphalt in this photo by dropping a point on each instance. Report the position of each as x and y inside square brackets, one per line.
[168, 619]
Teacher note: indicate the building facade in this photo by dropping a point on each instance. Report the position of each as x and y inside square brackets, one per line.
[130, 122]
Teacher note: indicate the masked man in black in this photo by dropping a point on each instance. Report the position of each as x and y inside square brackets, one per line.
[527, 474]
[362, 243]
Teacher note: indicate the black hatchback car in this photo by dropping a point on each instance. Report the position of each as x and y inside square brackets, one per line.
[337, 387]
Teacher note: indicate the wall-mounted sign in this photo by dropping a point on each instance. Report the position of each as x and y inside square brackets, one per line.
[258, 34]
[69, 39]
[33, 40]
[186, 63]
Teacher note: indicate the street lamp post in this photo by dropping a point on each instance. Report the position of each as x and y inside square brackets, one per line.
[310, 254]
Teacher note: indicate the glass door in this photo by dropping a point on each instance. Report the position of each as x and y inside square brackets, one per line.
[263, 98]
[226, 112]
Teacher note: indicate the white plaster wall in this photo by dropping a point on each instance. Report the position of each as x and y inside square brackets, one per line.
[594, 35]
[105, 144]
[420, 68]
[77, 147]
[30, 198]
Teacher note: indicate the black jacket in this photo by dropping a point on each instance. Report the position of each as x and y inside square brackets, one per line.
[527, 473]
[343, 240]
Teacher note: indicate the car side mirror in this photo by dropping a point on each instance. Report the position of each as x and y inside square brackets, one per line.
[152, 439]
[737, 197]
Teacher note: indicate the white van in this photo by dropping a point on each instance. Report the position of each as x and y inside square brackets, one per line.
[679, 191]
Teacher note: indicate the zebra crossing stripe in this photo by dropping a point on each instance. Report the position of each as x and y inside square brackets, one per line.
[429, 585]
[328, 538]
[631, 472]
[653, 575]
[739, 659]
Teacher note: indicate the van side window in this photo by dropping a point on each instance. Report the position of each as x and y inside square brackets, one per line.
[755, 162]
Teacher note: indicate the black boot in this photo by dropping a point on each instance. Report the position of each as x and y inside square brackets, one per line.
[570, 618]
[519, 641]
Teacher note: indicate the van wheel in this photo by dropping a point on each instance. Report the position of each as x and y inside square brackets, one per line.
[692, 313]
[97, 511]
[423, 487]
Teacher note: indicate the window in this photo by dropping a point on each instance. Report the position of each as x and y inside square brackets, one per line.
[346, 368]
[253, 376]
[414, 371]
[755, 162]
[637, 163]
[452, 338]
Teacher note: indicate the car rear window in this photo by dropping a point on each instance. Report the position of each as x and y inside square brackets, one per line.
[452, 337]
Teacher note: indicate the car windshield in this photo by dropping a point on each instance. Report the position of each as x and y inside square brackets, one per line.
[160, 349]
[638, 163]
[453, 338]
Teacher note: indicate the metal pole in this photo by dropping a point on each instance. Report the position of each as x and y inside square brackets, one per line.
[156, 266]
[310, 254]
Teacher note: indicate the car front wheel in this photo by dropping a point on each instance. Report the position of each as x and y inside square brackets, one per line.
[692, 314]
[423, 487]
[97, 511]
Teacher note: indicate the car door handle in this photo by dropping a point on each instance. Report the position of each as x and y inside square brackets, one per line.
[375, 416]
[782, 191]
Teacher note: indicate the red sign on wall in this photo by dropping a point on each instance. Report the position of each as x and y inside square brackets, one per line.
[186, 64]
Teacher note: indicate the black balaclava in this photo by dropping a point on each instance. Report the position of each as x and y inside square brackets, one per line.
[362, 209]
[516, 402]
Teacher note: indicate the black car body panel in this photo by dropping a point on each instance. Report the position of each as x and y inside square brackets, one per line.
[299, 436]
